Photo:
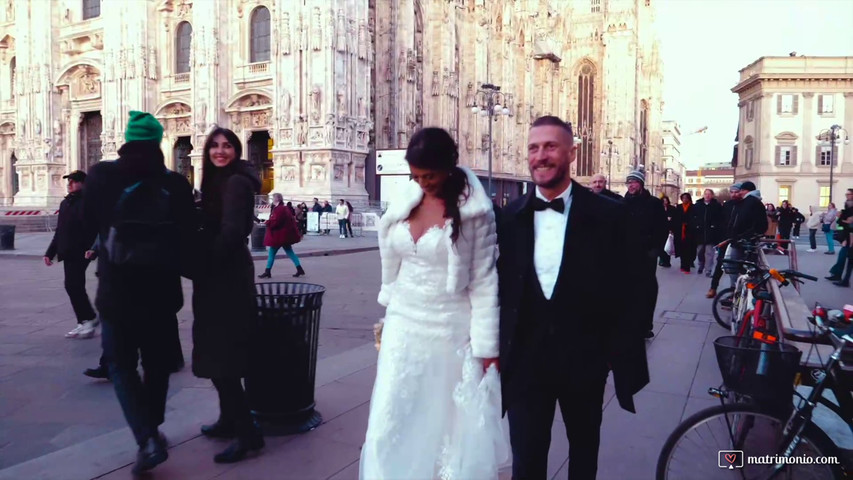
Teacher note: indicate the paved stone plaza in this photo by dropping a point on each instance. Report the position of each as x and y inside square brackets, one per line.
[57, 424]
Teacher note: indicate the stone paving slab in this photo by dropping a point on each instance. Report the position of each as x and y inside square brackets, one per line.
[682, 365]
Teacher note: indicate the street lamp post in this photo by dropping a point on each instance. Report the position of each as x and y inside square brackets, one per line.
[488, 104]
[832, 133]
[610, 154]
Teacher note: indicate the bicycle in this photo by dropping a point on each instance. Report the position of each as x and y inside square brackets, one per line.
[779, 435]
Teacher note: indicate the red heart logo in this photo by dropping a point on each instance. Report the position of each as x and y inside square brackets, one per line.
[731, 457]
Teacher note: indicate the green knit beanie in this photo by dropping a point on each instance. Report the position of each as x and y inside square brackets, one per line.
[143, 126]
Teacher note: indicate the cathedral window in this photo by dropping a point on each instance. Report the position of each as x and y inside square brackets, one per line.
[182, 47]
[12, 79]
[260, 35]
[595, 6]
[91, 9]
[585, 128]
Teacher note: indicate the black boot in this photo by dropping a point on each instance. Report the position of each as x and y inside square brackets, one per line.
[845, 282]
[220, 429]
[249, 439]
[299, 271]
[266, 274]
[151, 454]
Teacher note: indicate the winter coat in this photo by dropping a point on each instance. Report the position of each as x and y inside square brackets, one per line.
[223, 288]
[672, 222]
[813, 222]
[748, 217]
[317, 208]
[706, 222]
[786, 217]
[281, 228]
[646, 226]
[122, 290]
[342, 211]
[71, 239]
[471, 260]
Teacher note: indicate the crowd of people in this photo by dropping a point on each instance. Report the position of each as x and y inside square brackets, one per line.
[470, 296]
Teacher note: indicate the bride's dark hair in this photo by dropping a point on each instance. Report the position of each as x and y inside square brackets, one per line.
[432, 148]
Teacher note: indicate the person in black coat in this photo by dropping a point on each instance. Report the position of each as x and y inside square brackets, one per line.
[706, 223]
[647, 232]
[685, 242]
[598, 185]
[799, 219]
[671, 220]
[70, 243]
[138, 304]
[224, 291]
[556, 343]
[787, 216]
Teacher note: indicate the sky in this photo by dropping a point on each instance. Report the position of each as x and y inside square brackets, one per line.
[704, 43]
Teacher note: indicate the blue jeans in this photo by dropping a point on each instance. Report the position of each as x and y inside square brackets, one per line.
[830, 242]
[156, 341]
[342, 226]
[287, 249]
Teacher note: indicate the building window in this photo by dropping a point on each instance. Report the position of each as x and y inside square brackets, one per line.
[784, 193]
[825, 156]
[750, 110]
[91, 9]
[260, 35]
[748, 158]
[824, 104]
[12, 73]
[585, 127]
[824, 196]
[595, 6]
[786, 156]
[182, 47]
[787, 104]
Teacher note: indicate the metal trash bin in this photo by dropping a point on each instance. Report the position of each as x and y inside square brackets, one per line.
[280, 383]
[258, 232]
[7, 237]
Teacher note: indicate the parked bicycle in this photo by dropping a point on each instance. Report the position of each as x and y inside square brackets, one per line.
[777, 435]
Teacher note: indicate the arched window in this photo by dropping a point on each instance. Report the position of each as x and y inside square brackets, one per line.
[12, 74]
[182, 47]
[585, 128]
[259, 33]
[91, 9]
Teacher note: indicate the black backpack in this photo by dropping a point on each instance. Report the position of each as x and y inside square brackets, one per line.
[144, 232]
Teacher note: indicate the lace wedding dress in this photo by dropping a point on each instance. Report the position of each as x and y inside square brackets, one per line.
[433, 413]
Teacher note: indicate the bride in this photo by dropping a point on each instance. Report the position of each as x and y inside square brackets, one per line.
[440, 333]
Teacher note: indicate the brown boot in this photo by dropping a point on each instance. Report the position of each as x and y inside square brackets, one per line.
[711, 293]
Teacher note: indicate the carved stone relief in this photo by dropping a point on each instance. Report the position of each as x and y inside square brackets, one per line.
[315, 103]
[316, 30]
[285, 34]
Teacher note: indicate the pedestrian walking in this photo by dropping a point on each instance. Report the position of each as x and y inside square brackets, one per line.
[845, 222]
[707, 225]
[813, 223]
[327, 208]
[282, 232]
[598, 185]
[828, 227]
[647, 231]
[342, 213]
[772, 225]
[561, 248]
[143, 214]
[223, 290]
[671, 220]
[349, 219]
[70, 242]
[685, 245]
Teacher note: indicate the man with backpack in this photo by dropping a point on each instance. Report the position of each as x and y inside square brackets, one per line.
[142, 214]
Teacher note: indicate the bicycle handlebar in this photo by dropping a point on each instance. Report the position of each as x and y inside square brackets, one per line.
[796, 274]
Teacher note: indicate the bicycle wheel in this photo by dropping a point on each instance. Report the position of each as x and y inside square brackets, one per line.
[722, 307]
[694, 449]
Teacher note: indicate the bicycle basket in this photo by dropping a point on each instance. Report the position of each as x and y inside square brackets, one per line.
[753, 368]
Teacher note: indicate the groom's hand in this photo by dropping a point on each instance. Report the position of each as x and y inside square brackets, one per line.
[488, 362]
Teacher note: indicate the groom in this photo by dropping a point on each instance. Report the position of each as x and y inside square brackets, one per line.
[565, 312]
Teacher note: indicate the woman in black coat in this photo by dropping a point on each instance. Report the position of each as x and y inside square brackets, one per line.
[671, 223]
[223, 290]
[685, 241]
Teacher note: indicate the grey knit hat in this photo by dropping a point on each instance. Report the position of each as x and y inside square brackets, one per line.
[637, 175]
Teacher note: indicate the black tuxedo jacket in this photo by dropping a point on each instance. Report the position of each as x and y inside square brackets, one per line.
[593, 286]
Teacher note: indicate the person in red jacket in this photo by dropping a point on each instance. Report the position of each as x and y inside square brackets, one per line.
[282, 232]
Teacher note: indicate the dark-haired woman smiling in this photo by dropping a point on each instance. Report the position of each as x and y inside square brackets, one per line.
[439, 284]
[223, 290]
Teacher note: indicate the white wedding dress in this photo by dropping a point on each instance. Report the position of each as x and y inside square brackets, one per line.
[433, 413]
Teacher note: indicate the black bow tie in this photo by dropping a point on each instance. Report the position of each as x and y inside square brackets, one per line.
[557, 204]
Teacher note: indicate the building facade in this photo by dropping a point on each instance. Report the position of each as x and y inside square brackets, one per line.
[669, 178]
[787, 106]
[314, 87]
[716, 176]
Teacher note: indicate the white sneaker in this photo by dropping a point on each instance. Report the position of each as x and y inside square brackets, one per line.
[87, 330]
[73, 333]
[341, 236]
[812, 250]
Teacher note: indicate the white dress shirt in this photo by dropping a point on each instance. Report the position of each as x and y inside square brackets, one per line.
[549, 233]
